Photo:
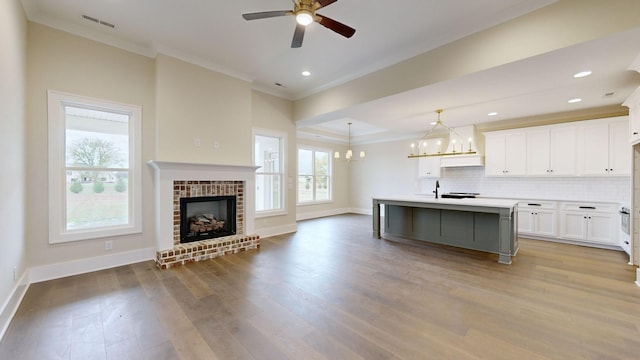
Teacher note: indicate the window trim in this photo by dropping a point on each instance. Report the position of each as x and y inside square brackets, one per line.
[57, 168]
[315, 149]
[283, 160]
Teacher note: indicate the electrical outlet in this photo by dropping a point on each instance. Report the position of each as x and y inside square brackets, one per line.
[108, 245]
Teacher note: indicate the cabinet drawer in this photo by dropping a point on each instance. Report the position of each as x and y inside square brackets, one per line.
[590, 207]
[534, 204]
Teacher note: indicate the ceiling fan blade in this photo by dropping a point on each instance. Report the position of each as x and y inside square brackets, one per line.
[298, 36]
[324, 3]
[266, 14]
[336, 26]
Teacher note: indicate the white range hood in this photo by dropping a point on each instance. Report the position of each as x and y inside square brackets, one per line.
[463, 140]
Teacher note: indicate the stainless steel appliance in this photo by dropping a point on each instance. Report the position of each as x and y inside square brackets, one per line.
[625, 216]
[459, 195]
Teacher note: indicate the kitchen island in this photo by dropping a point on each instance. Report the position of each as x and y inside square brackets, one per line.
[488, 225]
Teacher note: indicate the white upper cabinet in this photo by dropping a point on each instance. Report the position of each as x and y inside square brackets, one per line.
[551, 151]
[605, 148]
[584, 148]
[505, 154]
[633, 103]
[429, 166]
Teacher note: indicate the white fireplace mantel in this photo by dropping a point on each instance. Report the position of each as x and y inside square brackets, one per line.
[167, 172]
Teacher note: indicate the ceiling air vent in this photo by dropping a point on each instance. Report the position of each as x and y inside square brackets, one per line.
[98, 21]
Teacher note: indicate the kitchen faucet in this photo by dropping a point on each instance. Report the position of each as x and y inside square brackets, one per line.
[437, 186]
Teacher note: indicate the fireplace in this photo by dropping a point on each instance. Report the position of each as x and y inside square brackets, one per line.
[207, 217]
[175, 181]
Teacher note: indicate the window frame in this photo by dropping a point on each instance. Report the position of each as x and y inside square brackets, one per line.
[58, 233]
[282, 136]
[315, 149]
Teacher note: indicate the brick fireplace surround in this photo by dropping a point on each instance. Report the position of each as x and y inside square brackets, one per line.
[175, 180]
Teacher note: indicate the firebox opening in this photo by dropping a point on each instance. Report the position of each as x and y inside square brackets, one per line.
[207, 217]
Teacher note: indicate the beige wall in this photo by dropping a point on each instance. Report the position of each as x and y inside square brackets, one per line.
[13, 69]
[196, 103]
[272, 113]
[559, 25]
[63, 62]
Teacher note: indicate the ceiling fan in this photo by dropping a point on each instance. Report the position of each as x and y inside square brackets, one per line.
[305, 13]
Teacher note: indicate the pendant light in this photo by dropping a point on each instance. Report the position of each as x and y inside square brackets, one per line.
[349, 154]
[423, 152]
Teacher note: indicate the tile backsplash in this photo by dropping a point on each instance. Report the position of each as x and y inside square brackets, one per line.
[472, 179]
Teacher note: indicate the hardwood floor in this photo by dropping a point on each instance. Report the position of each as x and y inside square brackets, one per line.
[332, 291]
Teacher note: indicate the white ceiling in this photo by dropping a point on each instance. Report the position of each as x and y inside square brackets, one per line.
[212, 33]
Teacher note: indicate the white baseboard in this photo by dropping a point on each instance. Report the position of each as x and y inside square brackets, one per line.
[81, 266]
[319, 214]
[361, 211]
[276, 230]
[12, 303]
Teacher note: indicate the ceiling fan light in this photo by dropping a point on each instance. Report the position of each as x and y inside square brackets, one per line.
[304, 17]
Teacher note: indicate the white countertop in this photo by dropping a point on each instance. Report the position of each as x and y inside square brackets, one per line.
[429, 199]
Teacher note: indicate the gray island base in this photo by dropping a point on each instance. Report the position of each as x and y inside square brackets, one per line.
[479, 224]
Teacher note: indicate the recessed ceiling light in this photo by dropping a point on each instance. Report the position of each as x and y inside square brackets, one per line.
[492, 113]
[306, 73]
[582, 74]
[573, 101]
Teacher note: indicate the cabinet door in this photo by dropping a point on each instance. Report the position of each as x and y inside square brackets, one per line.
[574, 226]
[516, 154]
[494, 161]
[546, 223]
[619, 149]
[634, 123]
[595, 149]
[633, 103]
[538, 152]
[525, 221]
[601, 228]
[429, 166]
[563, 151]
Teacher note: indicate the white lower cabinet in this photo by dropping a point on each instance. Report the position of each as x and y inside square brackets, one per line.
[538, 218]
[592, 223]
[595, 224]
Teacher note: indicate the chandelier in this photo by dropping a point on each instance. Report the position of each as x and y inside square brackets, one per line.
[456, 143]
[349, 154]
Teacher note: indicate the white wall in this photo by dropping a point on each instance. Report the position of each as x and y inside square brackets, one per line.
[386, 171]
[13, 68]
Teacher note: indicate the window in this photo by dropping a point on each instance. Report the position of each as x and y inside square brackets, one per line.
[268, 153]
[314, 175]
[94, 168]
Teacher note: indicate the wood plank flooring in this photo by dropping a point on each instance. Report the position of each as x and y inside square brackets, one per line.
[332, 291]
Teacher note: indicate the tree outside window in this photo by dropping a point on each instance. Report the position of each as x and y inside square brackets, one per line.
[314, 175]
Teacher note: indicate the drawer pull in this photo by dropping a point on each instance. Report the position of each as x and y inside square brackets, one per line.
[534, 204]
[588, 207]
